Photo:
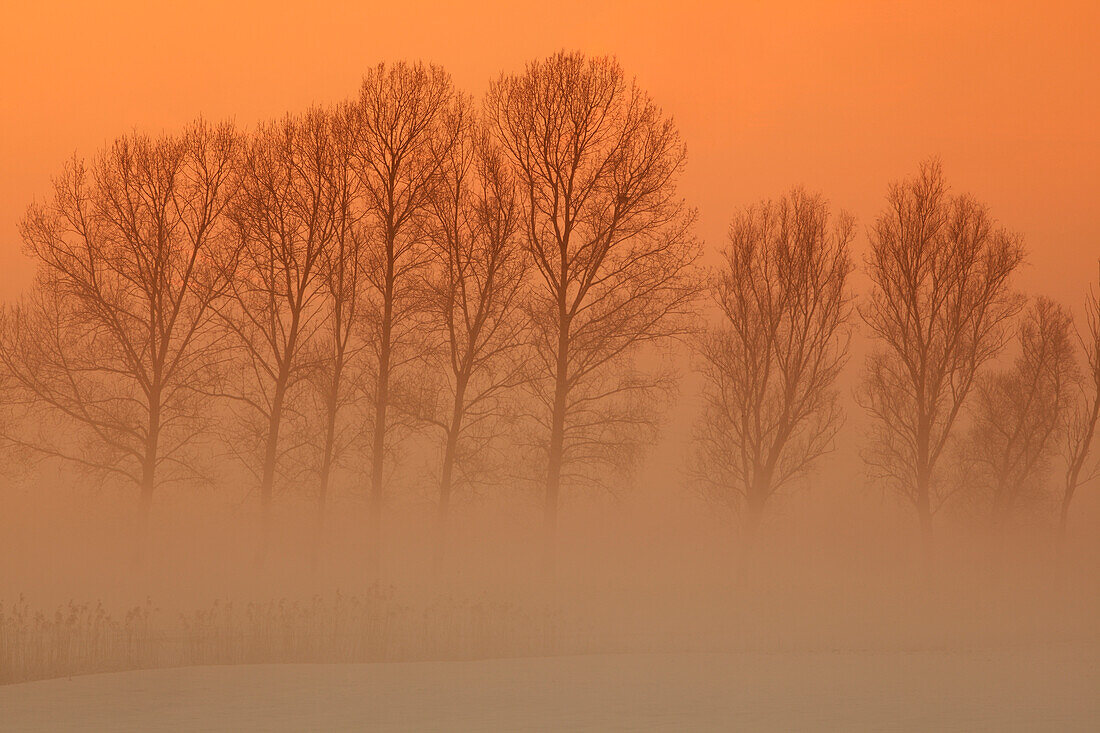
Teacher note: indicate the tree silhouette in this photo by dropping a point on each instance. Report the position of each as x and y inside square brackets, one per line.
[611, 245]
[287, 217]
[1019, 413]
[938, 310]
[475, 297]
[338, 361]
[402, 140]
[115, 340]
[1085, 412]
[769, 366]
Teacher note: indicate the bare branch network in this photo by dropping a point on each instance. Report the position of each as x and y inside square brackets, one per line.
[498, 279]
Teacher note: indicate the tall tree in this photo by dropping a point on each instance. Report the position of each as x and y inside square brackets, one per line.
[1085, 413]
[770, 364]
[611, 243]
[285, 214]
[475, 296]
[403, 138]
[114, 339]
[1020, 411]
[938, 310]
[339, 351]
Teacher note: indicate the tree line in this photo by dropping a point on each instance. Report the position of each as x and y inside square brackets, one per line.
[504, 277]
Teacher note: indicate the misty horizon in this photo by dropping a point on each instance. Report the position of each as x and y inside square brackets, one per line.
[539, 360]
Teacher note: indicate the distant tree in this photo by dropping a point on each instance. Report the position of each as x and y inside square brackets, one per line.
[112, 348]
[770, 364]
[1019, 413]
[938, 310]
[402, 140]
[610, 240]
[475, 298]
[1085, 412]
[287, 218]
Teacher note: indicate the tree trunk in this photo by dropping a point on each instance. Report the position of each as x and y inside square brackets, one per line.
[753, 512]
[145, 502]
[924, 514]
[148, 480]
[924, 487]
[447, 474]
[750, 525]
[1073, 477]
[379, 447]
[557, 450]
[1063, 517]
[326, 472]
[271, 455]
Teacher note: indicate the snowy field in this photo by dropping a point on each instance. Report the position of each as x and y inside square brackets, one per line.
[1055, 688]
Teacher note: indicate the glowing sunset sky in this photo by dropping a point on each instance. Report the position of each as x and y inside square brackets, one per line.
[840, 97]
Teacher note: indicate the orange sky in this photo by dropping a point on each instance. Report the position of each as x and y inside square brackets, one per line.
[841, 97]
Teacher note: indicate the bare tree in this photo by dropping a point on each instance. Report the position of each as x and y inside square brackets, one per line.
[475, 298]
[611, 243]
[402, 140]
[343, 264]
[938, 309]
[770, 365]
[1019, 413]
[1085, 413]
[285, 213]
[114, 339]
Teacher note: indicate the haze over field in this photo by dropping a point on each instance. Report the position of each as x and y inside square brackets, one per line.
[408, 334]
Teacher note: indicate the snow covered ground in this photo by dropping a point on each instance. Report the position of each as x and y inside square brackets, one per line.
[1048, 687]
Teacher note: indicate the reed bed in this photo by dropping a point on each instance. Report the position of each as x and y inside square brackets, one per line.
[82, 638]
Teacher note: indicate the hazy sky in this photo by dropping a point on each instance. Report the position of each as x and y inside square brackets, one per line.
[841, 97]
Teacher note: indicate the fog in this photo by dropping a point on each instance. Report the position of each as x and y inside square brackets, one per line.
[837, 566]
[704, 399]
